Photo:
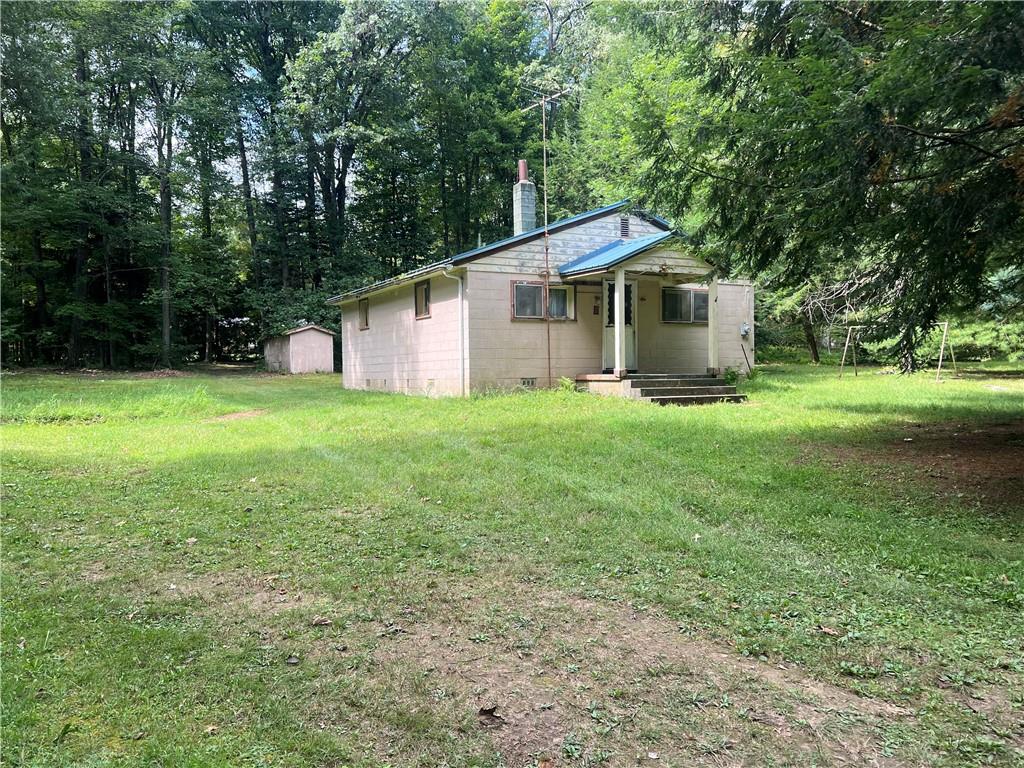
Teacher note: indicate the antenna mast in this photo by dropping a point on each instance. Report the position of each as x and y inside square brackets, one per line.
[543, 104]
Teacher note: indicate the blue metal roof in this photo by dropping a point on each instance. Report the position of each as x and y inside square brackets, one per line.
[608, 256]
[499, 245]
[530, 234]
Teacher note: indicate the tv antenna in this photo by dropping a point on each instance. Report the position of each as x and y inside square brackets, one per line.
[542, 103]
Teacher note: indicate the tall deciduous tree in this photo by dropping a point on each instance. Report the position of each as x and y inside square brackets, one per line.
[346, 140]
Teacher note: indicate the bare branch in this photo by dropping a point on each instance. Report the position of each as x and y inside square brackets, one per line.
[947, 139]
[855, 16]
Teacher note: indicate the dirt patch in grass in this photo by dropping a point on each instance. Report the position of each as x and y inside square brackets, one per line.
[553, 677]
[979, 461]
[236, 593]
[238, 415]
[95, 572]
[995, 705]
[165, 373]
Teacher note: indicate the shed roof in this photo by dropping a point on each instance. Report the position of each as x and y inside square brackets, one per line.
[498, 245]
[608, 256]
[309, 327]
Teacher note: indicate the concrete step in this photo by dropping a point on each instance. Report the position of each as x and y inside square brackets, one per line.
[696, 399]
[705, 381]
[660, 391]
[666, 376]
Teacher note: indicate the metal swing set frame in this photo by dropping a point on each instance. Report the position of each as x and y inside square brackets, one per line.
[853, 331]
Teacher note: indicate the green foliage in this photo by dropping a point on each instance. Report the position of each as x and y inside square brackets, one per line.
[282, 310]
[972, 340]
[262, 156]
[871, 149]
[861, 160]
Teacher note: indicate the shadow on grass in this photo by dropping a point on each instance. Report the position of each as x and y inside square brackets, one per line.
[716, 515]
[975, 408]
[981, 373]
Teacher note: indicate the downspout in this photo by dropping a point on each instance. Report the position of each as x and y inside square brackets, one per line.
[462, 328]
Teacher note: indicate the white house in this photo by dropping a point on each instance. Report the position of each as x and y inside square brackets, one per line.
[608, 298]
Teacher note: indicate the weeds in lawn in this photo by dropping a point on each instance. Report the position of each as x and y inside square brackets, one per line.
[729, 583]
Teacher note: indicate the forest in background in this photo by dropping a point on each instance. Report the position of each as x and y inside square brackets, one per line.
[181, 179]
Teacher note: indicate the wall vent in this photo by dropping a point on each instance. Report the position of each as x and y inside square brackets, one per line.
[624, 227]
[528, 383]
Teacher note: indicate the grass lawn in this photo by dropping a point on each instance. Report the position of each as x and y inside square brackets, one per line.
[262, 570]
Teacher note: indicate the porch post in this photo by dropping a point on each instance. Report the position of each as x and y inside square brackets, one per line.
[714, 367]
[620, 322]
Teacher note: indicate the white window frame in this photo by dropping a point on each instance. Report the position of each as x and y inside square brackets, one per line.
[570, 302]
[693, 306]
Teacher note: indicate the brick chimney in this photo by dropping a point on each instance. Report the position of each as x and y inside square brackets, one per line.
[524, 203]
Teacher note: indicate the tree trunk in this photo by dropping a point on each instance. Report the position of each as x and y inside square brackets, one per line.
[165, 148]
[205, 191]
[84, 177]
[250, 213]
[280, 231]
[206, 337]
[341, 194]
[812, 340]
[907, 349]
[327, 174]
[277, 193]
[206, 213]
[316, 277]
[443, 182]
[108, 290]
[130, 162]
[40, 280]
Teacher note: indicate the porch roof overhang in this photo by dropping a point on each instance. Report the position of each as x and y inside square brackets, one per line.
[656, 254]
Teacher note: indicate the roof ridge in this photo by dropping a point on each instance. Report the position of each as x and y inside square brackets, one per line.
[306, 327]
[536, 231]
[498, 245]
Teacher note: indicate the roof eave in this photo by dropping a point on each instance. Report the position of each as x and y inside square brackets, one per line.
[386, 285]
[477, 253]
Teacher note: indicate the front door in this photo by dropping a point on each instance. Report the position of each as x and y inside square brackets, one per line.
[608, 347]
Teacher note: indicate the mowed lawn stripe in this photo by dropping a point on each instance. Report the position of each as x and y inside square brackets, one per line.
[736, 522]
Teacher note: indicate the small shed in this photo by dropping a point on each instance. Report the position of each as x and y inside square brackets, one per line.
[307, 349]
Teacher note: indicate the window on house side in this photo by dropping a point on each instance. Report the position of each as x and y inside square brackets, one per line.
[700, 306]
[528, 301]
[683, 305]
[422, 291]
[364, 314]
[562, 302]
[675, 305]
